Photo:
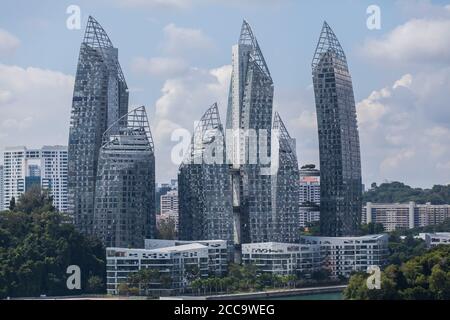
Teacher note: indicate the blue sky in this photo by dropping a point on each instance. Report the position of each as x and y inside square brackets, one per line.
[176, 55]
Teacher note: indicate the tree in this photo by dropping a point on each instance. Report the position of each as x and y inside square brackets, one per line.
[167, 229]
[36, 248]
[35, 200]
[95, 284]
[422, 277]
[12, 204]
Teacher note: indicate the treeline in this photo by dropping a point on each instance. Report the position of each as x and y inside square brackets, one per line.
[426, 277]
[37, 244]
[399, 192]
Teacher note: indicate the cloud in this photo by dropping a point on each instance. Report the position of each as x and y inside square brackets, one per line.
[418, 41]
[404, 130]
[8, 43]
[34, 106]
[184, 99]
[181, 41]
[159, 66]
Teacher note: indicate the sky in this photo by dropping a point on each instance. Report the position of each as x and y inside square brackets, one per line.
[176, 57]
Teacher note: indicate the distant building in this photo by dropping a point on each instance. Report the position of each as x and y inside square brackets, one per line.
[309, 185]
[174, 260]
[342, 256]
[169, 202]
[46, 167]
[309, 199]
[394, 216]
[434, 239]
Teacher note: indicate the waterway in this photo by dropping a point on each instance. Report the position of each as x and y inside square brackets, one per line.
[316, 296]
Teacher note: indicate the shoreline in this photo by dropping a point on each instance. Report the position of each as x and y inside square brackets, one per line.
[280, 293]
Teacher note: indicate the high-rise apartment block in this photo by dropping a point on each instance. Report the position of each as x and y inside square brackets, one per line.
[111, 154]
[394, 216]
[205, 207]
[45, 167]
[125, 189]
[340, 161]
[309, 198]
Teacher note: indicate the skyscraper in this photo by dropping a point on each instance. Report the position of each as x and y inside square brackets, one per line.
[45, 167]
[285, 186]
[205, 208]
[100, 99]
[249, 116]
[340, 162]
[125, 189]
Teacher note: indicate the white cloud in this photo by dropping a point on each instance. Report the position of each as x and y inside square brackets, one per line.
[405, 81]
[8, 43]
[184, 99]
[181, 41]
[159, 66]
[404, 130]
[34, 106]
[417, 41]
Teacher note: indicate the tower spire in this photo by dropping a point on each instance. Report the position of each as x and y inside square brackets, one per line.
[328, 43]
[95, 36]
[248, 38]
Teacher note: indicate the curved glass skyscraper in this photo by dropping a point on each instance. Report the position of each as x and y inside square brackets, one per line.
[285, 185]
[125, 188]
[340, 161]
[249, 116]
[205, 209]
[100, 98]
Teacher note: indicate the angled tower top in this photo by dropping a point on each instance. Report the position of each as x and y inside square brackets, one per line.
[247, 38]
[95, 36]
[132, 129]
[328, 42]
[284, 138]
[206, 132]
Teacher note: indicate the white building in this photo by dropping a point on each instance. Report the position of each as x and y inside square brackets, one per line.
[309, 197]
[169, 202]
[343, 255]
[395, 216]
[309, 185]
[174, 260]
[21, 166]
[434, 239]
[282, 258]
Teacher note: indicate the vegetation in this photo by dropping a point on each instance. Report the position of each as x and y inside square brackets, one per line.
[37, 244]
[423, 277]
[398, 192]
[371, 228]
[167, 229]
[246, 278]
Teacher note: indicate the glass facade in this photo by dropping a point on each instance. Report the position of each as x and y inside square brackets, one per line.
[100, 98]
[340, 162]
[285, 186]
[125, 189]
[250, 113]
[205, 208]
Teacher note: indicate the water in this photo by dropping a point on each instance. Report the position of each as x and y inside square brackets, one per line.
[316, 296]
